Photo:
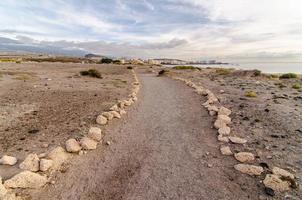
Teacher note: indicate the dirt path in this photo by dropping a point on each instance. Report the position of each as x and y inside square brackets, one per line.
[164, 149]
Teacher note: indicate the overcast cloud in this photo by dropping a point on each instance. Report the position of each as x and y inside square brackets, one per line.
[186, 29]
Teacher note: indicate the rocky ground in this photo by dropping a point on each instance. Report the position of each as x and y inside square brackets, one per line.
[44, 104]
[271, 121]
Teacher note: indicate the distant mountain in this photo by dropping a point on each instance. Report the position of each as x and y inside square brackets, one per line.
[14, 46]
[91, 55]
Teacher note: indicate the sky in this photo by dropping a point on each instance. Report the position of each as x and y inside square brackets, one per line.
[260, 30]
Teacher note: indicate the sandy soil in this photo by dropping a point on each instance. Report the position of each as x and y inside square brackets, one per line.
[165, 148]
[272, 122]
[42, 105]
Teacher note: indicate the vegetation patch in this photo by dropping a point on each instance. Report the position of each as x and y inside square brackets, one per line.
[223, 71]
[92, 73]
[280, 85]
[297, 86]
[185, 68]
[129, 67]
[257, 72]
[251, 94]
[288, 76]
[163, 72]
[106, 61]
[59, 59]
[8, 60]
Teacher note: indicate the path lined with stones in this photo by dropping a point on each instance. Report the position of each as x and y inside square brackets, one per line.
[165, 148]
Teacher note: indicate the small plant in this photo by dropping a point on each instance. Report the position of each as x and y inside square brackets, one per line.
[274, 76]
[92, 73]
[129, 67]
[186, 68]
[251, 94]
[18, 62]
[223, 71]
[257, 72]
[288, 76]
[297, 86]
[162, 72]
[117, 62]
[106, 60]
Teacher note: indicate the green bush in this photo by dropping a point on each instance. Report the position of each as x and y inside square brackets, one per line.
[274, 76]
[117, 62]
[92, 73]
[257, 72]
[185, 68]
[281, 85]
[223, 71]
[288, 76]
[297, 86]
[162, 72]
[106, 60]
[251, 94]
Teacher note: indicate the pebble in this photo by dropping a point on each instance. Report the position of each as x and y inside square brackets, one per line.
[72, 146]
[88, 144]
[31, 163]
[95, 133]
[225, 130]
[244, 156]
[101, 120]
[237, 140]
[249, 169]
[8, 160]
[226, 150]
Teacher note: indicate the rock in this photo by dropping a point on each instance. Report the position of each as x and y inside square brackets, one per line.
[276, 183]
[8, 160]
[108, 143]
[101, 120]
[115, 114]
[219, 124]
[26, 179]
[58, 156]
[249, 169]
[127, 103]
[244, 156]
[88, 144]
[95, 133]
[225, 130]
[283, 173]
[122, 112]
[45, 164]
[224, 111]
[213, 108]
[3, 190]
[237, 140]
[222, 138]
[108, 115]
[226, 119]
[212, 113]
[45, 145]
[42, 155]
[134, 98]
[114, 108]
[226, 150]
[72, 146]
[269, 191]
[121, 104]
[31, 163]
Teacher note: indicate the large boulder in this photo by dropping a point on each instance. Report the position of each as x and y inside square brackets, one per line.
[276, 183]
[88, 144]
[58, 156]
[226, 119]
[226, 150]
[244, 156]
[45, 164]
[115, 114]
[72, 146]
[224, 111]
[31, 163]
[26, 179]
[225, 130]
[283, 173]
[101, 120]
[8, 160]
[95, 133]
[249, 169]
[108, 115]
[237, 140]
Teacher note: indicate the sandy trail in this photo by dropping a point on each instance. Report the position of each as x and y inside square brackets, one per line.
[161, 150]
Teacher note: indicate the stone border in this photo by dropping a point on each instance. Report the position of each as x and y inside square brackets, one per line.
[277, 179]
[38, 169]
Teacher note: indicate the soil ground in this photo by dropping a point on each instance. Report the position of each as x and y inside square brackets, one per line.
[43, 104]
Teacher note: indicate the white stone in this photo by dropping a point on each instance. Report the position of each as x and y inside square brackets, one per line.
[115, 114]
[134, 98]
[276, 183]
[226, 150]
[283, 173]
[222, 139]
[31, 163]
[45, 164]
[213, 108]
[58, 156]
[101, 120]
[225, 130]
[224, 111]
[249, 169]
[244, 156]
[108, 115]
[8, 160]
[219, 124]
[226, 119]
[122, 112]
[212, 113]
[72, 146]
[88, 144]
[95, 133]
[114, 108]
[127, 103]
[237, 140]
[26, 179]
[121, 104]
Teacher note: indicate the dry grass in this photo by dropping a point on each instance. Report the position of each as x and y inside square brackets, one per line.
[251, 94]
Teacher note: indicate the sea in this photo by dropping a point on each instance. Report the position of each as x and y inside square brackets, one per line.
[266, 67]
